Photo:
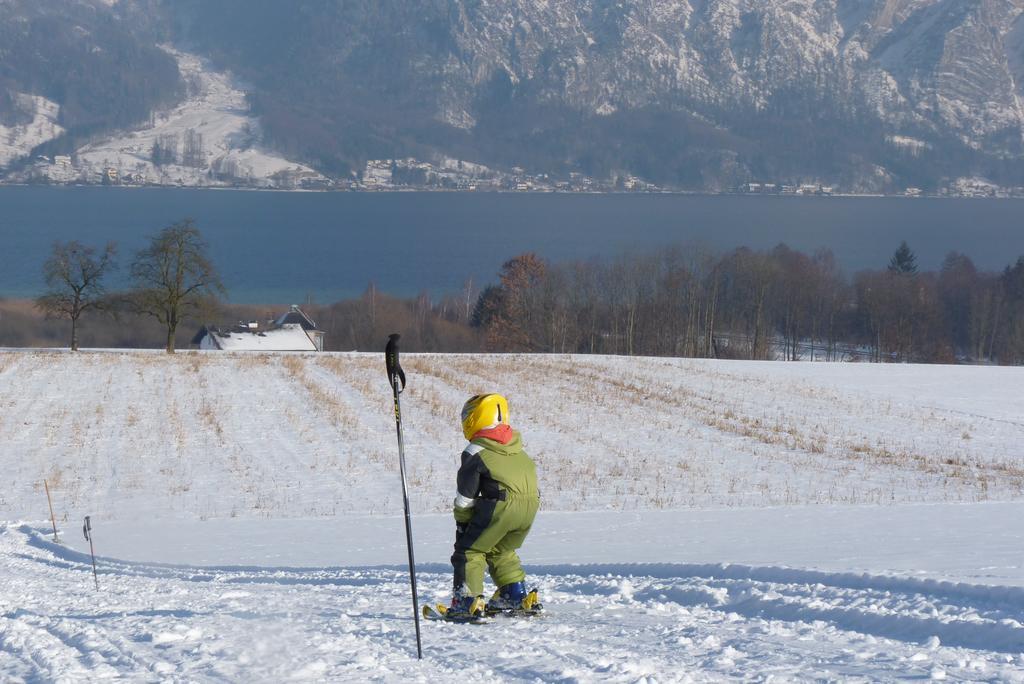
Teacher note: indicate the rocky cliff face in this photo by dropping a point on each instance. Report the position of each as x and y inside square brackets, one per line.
[920, 66]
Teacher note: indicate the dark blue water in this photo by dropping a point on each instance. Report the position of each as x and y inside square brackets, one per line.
[284, 247]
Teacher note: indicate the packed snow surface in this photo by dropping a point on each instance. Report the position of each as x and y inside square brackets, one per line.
[701, 520]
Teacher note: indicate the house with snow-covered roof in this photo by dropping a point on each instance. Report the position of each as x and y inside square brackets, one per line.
[292, 331]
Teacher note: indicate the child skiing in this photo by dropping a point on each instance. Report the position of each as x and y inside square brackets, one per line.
[494, 508]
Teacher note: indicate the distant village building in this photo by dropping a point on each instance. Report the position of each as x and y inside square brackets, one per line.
[377, 172]
[292, 331]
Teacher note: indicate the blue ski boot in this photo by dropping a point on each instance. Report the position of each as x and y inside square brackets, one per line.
[514, 599]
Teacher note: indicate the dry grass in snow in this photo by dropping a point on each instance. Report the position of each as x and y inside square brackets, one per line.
[218, 435]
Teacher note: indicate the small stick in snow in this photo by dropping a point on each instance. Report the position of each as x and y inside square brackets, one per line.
[87, 530]
[53, 519]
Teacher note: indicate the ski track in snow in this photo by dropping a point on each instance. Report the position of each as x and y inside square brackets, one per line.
[611, 622]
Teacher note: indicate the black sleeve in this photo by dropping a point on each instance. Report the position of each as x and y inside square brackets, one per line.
[469, 474]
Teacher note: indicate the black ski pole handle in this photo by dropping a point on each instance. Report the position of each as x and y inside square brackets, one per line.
[87, 528]
[393, 365]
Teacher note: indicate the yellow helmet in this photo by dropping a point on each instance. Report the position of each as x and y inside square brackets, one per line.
[483, 411]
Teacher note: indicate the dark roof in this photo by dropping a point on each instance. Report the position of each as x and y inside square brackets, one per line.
[198, 339]
[295, 315]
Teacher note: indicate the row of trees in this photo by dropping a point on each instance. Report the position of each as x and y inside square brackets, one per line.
[778, 303]
[165, 150]
[757, 305]
[172, 280]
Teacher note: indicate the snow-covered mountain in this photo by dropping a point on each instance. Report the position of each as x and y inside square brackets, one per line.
[936, 64]
[740, 89]
[866, 94]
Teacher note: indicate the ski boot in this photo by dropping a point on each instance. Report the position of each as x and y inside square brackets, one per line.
[513, 599]
[465, 608]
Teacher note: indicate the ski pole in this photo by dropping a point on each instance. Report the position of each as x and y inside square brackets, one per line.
[395, 376]
[53, 519]
[87, 530]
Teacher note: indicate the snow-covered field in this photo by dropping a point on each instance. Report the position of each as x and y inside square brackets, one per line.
[702, 520]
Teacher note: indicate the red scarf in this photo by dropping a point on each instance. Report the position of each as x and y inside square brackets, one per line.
[501, 434]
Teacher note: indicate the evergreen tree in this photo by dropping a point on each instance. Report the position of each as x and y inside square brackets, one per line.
[903, 260]
[488, 306]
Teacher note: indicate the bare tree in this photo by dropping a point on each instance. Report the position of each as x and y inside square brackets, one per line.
[748, 281]
[828, 294]
[467, 299]
[193, 154]
[174, 279]
[74, 278]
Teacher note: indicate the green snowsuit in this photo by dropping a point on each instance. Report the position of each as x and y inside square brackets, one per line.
[494, 509]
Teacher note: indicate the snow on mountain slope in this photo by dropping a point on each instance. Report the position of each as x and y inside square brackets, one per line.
[933, 64]
[17, 140]
[230, 138]
[368, 81]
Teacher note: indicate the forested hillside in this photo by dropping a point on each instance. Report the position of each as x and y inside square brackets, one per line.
[102, 72]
